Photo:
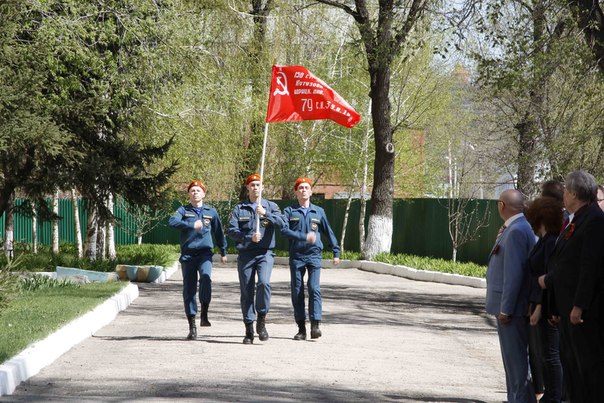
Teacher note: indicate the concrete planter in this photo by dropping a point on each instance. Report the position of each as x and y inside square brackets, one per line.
[93, 276]
[140, 274]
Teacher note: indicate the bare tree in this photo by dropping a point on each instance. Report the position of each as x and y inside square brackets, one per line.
[463, 216]
[141, 219]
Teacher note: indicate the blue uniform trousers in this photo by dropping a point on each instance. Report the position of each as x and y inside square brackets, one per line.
[196, 269]
[248, 267]
[297, 268]
[513, 340]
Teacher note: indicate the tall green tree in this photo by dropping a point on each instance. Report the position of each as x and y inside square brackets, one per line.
[590, 20]
[542, 92]
[33, 146]
[386, 32]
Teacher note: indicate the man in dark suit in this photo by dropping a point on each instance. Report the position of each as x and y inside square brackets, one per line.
[576, 278]
[508, 287]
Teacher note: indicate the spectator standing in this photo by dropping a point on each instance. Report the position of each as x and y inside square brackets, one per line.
[508, 286]
[545, 216]
[577, 282]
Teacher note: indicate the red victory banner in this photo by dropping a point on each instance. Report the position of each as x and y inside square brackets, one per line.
[297, 94]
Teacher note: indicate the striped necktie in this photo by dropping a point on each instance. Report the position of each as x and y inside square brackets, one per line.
[503, 227]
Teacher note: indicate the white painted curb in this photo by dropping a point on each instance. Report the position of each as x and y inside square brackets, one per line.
[421, 275]
[42, 353]
[400, 271]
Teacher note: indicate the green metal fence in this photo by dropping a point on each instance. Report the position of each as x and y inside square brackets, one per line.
[420, 227]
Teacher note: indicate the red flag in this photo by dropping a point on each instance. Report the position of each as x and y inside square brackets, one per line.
[297, 94]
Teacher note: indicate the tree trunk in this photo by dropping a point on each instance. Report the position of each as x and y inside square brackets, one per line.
[528, 128]
[55, 223]
[346, 214]
[363, 191]
[76, 223]
[526, 149]
[9, 226]
[257, 66]
[34, 229]
[90, 248]
[111, 254]
[101, 245]
[379, 231]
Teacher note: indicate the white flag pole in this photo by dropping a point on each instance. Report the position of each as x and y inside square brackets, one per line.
[261, 176]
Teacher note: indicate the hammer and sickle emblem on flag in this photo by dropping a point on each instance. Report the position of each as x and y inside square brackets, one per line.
[281, 89]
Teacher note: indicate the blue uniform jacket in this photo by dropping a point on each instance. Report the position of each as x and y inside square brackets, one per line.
[196, 242]
[242, 226]
[297, 225]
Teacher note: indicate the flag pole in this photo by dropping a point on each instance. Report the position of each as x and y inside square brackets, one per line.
[261, 175]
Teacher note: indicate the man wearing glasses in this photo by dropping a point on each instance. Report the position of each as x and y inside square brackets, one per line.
[508, 281]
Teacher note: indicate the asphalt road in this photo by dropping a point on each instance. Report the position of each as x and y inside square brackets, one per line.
[385, 339]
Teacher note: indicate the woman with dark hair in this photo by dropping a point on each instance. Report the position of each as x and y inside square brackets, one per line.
[545, 216]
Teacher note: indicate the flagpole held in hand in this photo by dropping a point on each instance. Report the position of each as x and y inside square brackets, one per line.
[261, 176]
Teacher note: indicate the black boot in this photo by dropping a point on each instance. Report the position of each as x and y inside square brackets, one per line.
[301, 335]
[261, 327]
[249, 333]
[204, 315]
[315, 332]
[192, 328]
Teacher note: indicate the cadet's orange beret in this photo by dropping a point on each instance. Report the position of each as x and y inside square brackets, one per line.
[302, 180]
[197, 183]
[251, 178]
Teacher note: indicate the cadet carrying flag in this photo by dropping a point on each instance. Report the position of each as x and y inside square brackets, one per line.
[297, 94]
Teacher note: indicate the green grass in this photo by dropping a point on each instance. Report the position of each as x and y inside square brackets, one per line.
[147, 254]
[44, 260]
[32, 315]
[433, 264]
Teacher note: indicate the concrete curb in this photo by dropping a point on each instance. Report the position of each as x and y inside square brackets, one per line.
[42, 353]
[400, 271]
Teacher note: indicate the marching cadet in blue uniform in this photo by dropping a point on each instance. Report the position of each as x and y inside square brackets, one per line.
[197, 222]
[304, 223]
[255, 244]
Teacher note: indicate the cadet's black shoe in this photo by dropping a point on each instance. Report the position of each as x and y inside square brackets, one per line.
[261, 327]
[192, 328]
[301, 335]
[204, 315]
[315, 332]
[249, 333]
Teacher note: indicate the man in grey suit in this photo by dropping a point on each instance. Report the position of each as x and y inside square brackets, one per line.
[508, 281]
